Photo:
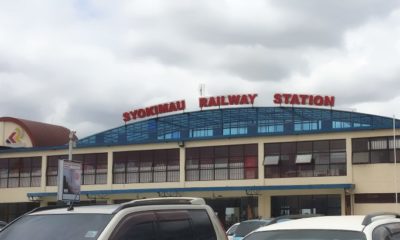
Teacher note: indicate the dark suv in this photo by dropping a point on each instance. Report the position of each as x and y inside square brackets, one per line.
[147, 219]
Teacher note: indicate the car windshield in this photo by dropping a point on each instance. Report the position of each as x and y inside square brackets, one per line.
[306, 235]
[57, 227]
[245, 228]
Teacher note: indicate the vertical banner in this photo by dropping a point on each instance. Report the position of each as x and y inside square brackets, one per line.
[69, 180]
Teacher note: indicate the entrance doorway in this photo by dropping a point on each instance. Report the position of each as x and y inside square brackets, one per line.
[233, 210]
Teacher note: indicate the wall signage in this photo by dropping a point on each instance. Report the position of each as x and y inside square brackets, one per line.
[219, 101]
[229, 100]
[69, 180]
[154, 110]
[304, 99]
[15, 138]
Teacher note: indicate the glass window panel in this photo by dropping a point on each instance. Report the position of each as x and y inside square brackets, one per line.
[37, 171]
[35, 182]
[118, 178]
[361, 157]
[173, 176]
[173, 154]
[221, 174]
[25, 182]
[338, 157]
[173, 164]
[321, 170]
[206, 174]
[14, 167]
[192, 164]
[160, 176]
[360, 144]
[236, 150]
[272, 149]
[222, 151]
[192, 153]
[288, 148]
[221, 162]
[321, 146]
[146, 177]
[381, 156]
[132, 177]
[236, 173]
[192, 175]
[3, 168]
[397, 143]
[207, 152]
[321, 158]
[378, 143]
[251, 150]
[304, 147]
[101, 166]
[391, 154]
[132, 166]
[338, 145]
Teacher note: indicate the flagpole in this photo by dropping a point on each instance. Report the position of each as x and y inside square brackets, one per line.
[395, 160]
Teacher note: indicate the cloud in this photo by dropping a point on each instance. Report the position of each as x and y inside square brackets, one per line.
[82, 64]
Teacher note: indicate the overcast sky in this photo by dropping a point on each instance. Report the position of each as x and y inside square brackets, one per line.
[82, 63]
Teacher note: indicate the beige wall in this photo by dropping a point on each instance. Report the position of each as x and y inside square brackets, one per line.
[370, 178]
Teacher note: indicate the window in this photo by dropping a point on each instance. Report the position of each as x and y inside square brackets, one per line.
[138, 226]
[20, 172]
[387, 231]
[222, 163]
[374, 150]
[305, 159]
[146, 166]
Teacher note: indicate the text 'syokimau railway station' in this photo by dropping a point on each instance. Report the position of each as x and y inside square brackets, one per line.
[297, 156]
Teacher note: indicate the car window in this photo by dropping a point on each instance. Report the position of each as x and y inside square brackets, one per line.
[174, 225]
[166, 225]
[202, 225]
[245, 228]
[232, 230]
[57, 227]
[387, 231]
[138, 226]
[306, 235]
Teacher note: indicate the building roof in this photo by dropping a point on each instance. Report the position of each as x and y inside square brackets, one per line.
[237, 123]
[41, 134]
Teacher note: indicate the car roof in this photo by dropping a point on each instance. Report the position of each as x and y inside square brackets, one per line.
[99, 209]
[113, 208]
[350, 223]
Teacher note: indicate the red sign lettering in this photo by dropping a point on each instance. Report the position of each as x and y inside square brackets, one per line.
[154, 110]
[219, 101]
[303, 99]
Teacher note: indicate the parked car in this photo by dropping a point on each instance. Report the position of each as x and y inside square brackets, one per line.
[231, 231]
[248, 226]
[285, 218]
[158, 218]
[379, 226]
[2, 224]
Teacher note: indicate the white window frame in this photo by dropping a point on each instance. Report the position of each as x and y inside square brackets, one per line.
[271, 160]
[303, 158]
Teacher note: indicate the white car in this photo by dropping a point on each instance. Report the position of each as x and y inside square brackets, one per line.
[231, 231]
[379, 226]
[146, 219]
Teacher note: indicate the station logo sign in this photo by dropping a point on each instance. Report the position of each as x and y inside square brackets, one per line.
[15, 138]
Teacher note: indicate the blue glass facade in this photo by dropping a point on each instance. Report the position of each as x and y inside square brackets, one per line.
[237, 122]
